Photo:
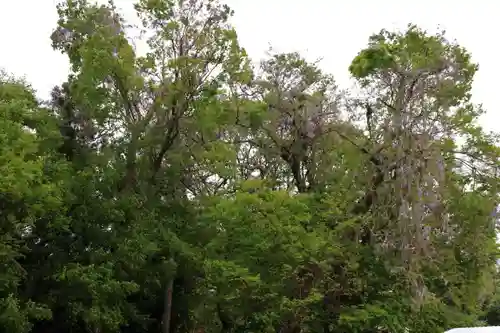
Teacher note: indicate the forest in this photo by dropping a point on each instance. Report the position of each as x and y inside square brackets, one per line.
[195, 190]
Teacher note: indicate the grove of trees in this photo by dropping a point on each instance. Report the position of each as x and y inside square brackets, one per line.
[188, 190]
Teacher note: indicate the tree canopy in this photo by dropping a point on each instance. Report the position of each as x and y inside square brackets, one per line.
[187, 190]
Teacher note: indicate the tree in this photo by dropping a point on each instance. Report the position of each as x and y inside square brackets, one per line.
[29, 191]
[419, 104]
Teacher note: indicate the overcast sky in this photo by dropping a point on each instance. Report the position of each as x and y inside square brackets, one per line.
[332, 30]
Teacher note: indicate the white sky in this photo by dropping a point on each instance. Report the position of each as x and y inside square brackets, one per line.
[332, 30]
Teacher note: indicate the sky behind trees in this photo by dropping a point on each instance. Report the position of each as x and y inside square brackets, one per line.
[330, 30]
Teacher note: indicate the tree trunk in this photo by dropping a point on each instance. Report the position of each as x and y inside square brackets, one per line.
[167, 310]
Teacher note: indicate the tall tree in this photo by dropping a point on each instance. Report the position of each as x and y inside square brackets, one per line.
[418, 105]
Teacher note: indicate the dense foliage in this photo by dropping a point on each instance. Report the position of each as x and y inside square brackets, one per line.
[187, 191]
